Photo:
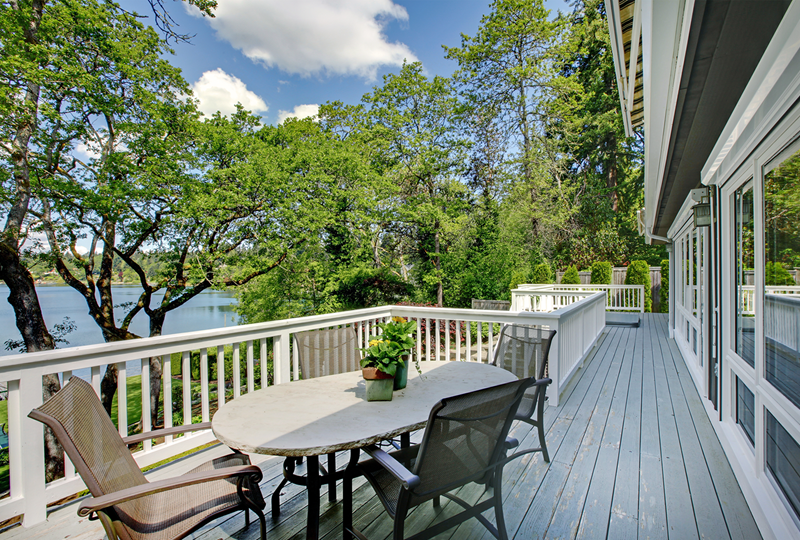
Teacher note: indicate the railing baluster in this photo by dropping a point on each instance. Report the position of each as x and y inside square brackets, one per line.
[262, 360]
[251, 382]
[295, 363]
[438, 340]
[479, 338]
[458, 339]
[166, 372]
[204, 397]
[468, 341]
[427, 339]
[490, 351]
[96, 379]
[237, 377]
[186, 381]
[447, 340]
[146, 419]
[220, 376]
[122, 399]
[419, 339]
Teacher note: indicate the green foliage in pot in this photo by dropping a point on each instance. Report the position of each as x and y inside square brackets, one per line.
[601, 273]
[571, 276]
[386, 351]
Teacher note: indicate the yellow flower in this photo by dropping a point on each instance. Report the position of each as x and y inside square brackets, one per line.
[374, 342]
[399, 319]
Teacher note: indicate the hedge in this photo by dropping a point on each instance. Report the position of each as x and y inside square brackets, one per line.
[571, 276]
[663, 294]
[601, 273]
[638, 273]
[542, 273]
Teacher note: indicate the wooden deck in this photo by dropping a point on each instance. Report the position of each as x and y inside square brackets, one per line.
[633, 455]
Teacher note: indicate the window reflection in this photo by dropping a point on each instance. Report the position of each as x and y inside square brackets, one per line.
[781, 260]
[744, 261]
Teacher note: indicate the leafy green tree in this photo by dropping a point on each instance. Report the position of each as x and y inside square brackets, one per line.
[571, 276]
[601, 273]
[413, 115]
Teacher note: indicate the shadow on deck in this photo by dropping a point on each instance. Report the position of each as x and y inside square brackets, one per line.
[633, 455]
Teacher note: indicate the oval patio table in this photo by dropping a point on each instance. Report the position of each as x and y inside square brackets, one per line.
[317, 416]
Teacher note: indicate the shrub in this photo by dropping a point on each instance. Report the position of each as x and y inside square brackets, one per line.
[571, 276]
[663, 294]
[601, 273]
[639, 274]
[542, 273]
[519, 276]
[776, 274]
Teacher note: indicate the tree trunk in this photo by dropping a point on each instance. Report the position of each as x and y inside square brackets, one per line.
[438, 265]
[156, 325]
[611, 184]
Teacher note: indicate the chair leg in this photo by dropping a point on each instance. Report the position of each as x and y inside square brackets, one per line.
[498, 505]
[246, 517]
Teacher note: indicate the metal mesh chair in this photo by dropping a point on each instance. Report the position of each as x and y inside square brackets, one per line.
[465, 441]
[130, 507]
[523, 350]
[320, 353]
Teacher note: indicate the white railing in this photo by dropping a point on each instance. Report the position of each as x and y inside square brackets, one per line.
[458, 334]
[782, 320]
[534, 297]
[748, 296]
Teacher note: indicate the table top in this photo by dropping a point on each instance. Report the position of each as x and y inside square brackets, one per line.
[328, 414]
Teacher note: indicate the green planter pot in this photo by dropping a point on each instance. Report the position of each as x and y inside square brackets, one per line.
[401, 375]
[379, 384]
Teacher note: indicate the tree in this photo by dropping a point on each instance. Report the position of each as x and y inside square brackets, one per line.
[414, 117]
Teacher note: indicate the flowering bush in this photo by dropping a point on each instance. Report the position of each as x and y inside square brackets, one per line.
[386, 351]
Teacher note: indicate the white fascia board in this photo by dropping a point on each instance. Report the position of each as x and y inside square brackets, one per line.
[665, 34]
[767, 97]
[618, 53]
[683, 215]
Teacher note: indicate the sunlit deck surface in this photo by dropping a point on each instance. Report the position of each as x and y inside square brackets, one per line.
[633, 455]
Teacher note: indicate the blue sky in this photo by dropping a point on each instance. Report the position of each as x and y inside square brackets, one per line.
[282, 57]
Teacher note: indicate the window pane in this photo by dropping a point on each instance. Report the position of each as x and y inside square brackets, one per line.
[745, 405]
[781, 257]
[783, 461]
[744, 261]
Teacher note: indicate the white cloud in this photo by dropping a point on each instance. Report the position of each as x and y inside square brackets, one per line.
[218, 91]
[314, 36]
[300, 112]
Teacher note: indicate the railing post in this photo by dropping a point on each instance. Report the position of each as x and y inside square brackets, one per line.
[280, 358]
[26, 449]
[553, 366]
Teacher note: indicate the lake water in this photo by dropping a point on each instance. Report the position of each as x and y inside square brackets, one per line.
[208, 310]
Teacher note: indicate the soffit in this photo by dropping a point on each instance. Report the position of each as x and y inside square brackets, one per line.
[726, 41]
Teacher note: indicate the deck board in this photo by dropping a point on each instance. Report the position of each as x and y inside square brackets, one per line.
[633, 455]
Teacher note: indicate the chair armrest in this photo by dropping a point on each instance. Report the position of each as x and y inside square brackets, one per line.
[393, 467]
[543, 382]
[104, 501]
[177, 430]
[511, 442]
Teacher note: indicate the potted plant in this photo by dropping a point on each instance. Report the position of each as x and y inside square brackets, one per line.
[384, 365]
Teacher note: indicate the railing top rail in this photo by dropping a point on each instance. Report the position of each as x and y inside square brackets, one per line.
[789, 299]
[155, 346]
[122, 351]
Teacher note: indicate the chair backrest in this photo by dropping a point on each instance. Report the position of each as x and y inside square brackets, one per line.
[327, 352]
[523, 350]
[90, 439]
[465, 435]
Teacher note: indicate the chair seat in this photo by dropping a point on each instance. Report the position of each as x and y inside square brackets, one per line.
[170, 514]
